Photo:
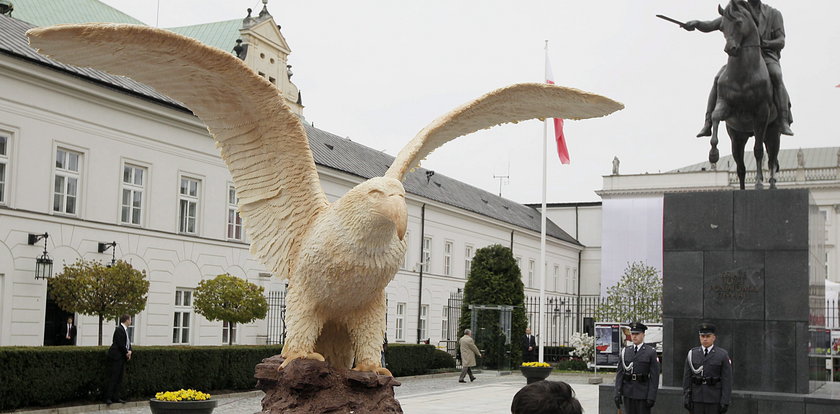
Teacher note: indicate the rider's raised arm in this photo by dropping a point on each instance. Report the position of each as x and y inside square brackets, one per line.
[705, 27]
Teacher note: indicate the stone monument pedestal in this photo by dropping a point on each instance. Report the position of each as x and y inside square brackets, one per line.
[307, 386]
[748, 262]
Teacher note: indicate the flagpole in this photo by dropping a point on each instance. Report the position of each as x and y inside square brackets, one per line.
[541, 342]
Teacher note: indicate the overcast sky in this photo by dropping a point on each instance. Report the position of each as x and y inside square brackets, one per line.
[379, 71]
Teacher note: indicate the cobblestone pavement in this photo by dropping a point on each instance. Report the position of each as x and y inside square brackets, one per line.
[440, 393]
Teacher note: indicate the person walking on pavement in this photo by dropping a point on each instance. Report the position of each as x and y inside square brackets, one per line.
[469, 352]
[707, 378]
[637, 377]
[118, 354]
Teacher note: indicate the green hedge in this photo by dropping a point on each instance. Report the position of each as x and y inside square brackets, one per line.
[557, 353]
[571, 365]
[442, 360]
[40, 376]
[409, 359]
[43, 376]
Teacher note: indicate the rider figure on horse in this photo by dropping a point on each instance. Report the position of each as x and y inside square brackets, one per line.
[772, 32]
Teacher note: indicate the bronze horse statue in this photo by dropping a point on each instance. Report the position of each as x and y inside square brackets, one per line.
[745, 98]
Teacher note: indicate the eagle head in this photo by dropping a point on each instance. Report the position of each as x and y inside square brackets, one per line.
[378, 205]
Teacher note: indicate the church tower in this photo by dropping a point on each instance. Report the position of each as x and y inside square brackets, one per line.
[264, 49]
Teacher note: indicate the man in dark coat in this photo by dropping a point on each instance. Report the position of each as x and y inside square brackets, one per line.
[529, 347]
[707, 379]
[118, 355]
[637, 377]
[67, 332]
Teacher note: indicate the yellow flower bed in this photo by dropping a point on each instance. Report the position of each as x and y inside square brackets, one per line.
[535, 364]
[182, 395]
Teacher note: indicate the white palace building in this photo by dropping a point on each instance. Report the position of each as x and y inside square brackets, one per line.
[89, 158]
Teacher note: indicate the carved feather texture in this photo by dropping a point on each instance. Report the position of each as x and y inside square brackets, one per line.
[338, 257]
[514, 103]
[262, 142]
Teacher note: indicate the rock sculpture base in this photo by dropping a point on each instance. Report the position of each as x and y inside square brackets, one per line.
[308, 386]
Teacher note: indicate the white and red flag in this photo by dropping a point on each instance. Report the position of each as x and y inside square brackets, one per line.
[562, 150]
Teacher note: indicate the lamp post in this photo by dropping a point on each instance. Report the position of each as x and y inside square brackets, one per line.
[43, 263]
[103, 247]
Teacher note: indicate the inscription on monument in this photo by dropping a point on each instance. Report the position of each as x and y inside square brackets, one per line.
[734, 285]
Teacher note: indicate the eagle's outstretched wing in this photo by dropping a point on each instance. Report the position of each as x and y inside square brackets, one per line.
[261, 140]
[514, 103]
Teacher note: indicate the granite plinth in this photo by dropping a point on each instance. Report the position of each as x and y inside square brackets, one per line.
[743, 260]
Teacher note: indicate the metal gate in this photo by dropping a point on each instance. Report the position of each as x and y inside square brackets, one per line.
[453, 316]
[276, 318]
[491, 325]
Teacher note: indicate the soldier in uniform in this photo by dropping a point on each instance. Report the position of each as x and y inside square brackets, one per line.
[707, 379]
[637, 378]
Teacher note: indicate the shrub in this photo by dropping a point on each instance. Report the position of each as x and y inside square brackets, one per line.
[442, 360]
[230, 299]
[571, 365]
[557, 353]
[494, 279]
[584, 346]
[52, 375]
[409, 359]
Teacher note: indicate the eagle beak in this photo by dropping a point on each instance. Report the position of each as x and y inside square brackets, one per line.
[394, 208]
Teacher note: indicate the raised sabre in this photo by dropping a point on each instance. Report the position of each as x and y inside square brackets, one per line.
[663, 17]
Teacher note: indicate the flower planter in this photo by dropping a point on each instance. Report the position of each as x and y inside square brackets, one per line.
[534, 374]
[190, 407]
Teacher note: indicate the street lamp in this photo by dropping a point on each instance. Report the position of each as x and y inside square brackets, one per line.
[43, 263]
[103, 247]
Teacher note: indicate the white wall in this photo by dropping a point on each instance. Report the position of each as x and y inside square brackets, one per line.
[631, 232]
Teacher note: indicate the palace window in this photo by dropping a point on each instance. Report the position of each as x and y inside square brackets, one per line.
[424, 319]
[427, 253]
[4, 161]
[188, 205]
[447, 258]
[133, 188]
[234, 222]
[228, 329]
[468, 255]
[531, 265]
[66, 184]
[400, 322]
[406, 264]
[182, 319]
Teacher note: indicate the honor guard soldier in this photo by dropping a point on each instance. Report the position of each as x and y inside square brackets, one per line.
[637, 378]
[707, 379]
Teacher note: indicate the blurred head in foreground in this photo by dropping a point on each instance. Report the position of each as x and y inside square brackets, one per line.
[546, 397]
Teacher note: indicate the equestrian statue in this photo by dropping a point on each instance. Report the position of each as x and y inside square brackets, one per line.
[748, 92]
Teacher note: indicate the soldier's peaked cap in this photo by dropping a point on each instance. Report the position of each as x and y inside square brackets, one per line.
[706, 328]
[637, 327]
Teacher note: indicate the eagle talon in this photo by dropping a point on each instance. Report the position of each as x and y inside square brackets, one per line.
[375, 368]
[291, 356]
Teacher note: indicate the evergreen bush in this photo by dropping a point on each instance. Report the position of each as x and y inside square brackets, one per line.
[571, 365]
[409, 359]
[495, 279]
[442, 360]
